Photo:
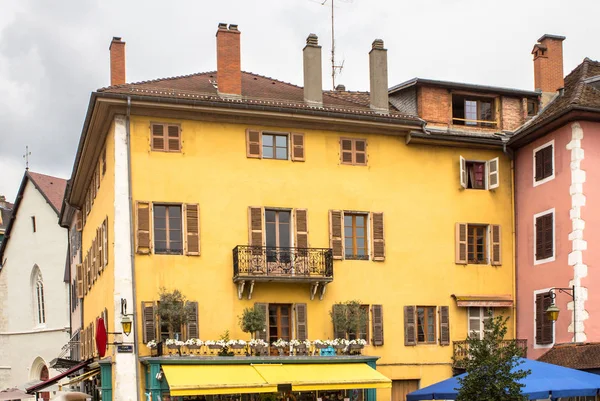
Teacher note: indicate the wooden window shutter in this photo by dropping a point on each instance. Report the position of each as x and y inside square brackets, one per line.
[255, 225]
[539, 165]
[461, 244]
[377, 311]
[548, 325]
[149, 321]
[158, 136]
[84, 271]
[301, 322]
[360, 152]
[463, 172]
[301, 225]
[101, 248]
[336, 233]
[95, 257]
[444, 312]
[262, 335]
[105, 241]
[410, 331]
[143, 231]
[192, 229]
[254, 144]
[105, 317]
[378, 247]
[338, 332]
[539, 238]
[547, 167]
[548, 235]
[298, 147]
[98, 177]
[82, 342]
[78, 221]
[346, 151]
[496, 245]
[174, 138]
[192, 321]
[493, 173]
[79, 272]
[539, 318]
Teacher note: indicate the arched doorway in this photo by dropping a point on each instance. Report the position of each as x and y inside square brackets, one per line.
[44, 375]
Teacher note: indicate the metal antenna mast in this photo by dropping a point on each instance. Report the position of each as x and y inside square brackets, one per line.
[334, 68]
[26, 157]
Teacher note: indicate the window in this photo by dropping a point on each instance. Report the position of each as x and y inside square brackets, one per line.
[476, 175]
[363, 331]
[103, 161]
[278, 235]
[544, 327]
[353, 151]
[275, 146]
[478, 319]
[544, 237]
[477, 244]
[426, 324]
[355, 236]
[33, 223]
[167, 229]
[166, 137]
[532, 107]
[479, 174]
[543, 166]
[40, 305]
[473, 112]
[279, 322]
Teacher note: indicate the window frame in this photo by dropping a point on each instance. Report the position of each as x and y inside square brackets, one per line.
[536, 107]
[182, 228]
[40, 302]
[486, 228]
[553, 175]
[426, 324]
[165, 137]
[478, 99]
[483, 312]
[367, 336]
[485, 173]
[290, 326]
[277, 222]
[353, 151]
[535, 217]
[354, 255]
[275, 134]
[535, 344]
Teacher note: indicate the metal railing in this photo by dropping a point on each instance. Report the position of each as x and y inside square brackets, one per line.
[461, 351]
[264, 261]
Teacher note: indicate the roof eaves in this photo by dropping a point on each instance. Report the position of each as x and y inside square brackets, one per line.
[462, 85]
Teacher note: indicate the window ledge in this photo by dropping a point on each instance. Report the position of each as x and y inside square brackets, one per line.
[543, 261]
[543, 181]
[356, 257]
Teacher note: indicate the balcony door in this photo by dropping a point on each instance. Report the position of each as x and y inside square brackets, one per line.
[279, 324]
[278, 241]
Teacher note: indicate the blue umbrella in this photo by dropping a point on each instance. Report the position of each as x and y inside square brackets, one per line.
[545, 381]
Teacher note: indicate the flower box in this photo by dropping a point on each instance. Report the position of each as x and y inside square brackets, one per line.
[189, 346]
[214, 346]
[237, 346]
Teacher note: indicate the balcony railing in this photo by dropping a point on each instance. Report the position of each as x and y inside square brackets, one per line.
[287, 264]
[461, 351]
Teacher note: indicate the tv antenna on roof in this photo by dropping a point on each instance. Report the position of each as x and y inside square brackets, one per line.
[26, 157]
[335, 69]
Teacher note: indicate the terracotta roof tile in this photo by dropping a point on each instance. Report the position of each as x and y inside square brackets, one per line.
[53, 188]
[574, 355]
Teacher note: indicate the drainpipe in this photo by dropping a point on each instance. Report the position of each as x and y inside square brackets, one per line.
[511, 155]
[132, 252]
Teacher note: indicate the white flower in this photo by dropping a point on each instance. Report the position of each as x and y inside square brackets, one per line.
[320, 342]
[358, 341]
[294, 343]
[151, 344]
[179, 343]
[221, 343]
[258, 343]
[306, 343]
[280, 343]
[194, 341]
[170, 341]
[235, 342]
[209, 342]
[339, 341]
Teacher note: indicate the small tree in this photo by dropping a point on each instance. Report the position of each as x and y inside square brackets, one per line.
[173, 309]
[252, 320]
[349, 317]
[490, 366]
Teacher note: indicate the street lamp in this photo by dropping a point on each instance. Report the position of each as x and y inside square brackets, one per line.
[126, 321]
[553, 311]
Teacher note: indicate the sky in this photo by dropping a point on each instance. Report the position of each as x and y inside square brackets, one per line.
[53, 54]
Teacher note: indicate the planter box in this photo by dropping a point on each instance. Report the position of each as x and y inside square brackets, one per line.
[237, 346]
[193, 346]
[214, 346]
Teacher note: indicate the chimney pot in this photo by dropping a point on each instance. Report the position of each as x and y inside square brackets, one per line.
[313, 76]
[378, 73]
[377, 44]
[548, 65]
[229, 71]
[340, 88]
[117, 61]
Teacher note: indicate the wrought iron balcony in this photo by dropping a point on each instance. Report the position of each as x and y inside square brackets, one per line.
[461, 351]
[304, 265]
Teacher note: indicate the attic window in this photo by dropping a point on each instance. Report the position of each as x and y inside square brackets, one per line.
[532, 107]
[473, 111]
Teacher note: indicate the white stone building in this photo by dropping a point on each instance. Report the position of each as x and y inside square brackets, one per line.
[34, 292]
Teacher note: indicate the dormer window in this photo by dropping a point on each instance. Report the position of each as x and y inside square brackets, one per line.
[532, 107]
[473, 111]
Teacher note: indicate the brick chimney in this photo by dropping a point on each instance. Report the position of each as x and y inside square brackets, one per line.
[229, 71]
[548, 64]
[313, 77]
[117, 61]
[378, 77]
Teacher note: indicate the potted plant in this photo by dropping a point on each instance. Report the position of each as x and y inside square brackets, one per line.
[173, 343]
[259, 346]
[173, 310]
[193, 343]
[281, 345]
[359, 343]
[349, 317]
[320, 344]
[236, 344]
[252, 320]
[211, 344]
[339, 343]
[300, 347]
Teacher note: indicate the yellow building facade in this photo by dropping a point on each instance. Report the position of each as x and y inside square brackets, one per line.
[192, 188]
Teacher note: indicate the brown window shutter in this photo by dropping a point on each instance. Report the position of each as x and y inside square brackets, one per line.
[539, 318]
[301, 222]
[174, 138]
[143, 232]
[301, 322]
[253, 143]
[496, 245]
[104, 161]
[262, 335]
[83, 344]
[360, 152]
[89, 269]
[95, 257]
[378, 237]
[298, 147]
[84, 271]
[444, 325]
[346, 151]
[149, 321]
[98, 177]
[377, 311]
[158, 136]
[539, 238]
[255, 225]
[461, 244]
[410, 331]
[336, 233]
[338, 332]
[105, 241]
[78, 221]
[548, 235]
[192, 320]
[79, 273]
[192, 228]
[101, 248]
[539, 165]
[548, 325]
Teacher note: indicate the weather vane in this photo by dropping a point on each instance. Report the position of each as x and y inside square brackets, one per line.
[26, 157]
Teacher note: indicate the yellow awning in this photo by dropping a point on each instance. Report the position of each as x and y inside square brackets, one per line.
[80, 378]
[310, 377]
[215, 379]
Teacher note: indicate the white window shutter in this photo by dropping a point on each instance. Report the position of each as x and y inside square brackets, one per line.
[463, 172]
[493, 173]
